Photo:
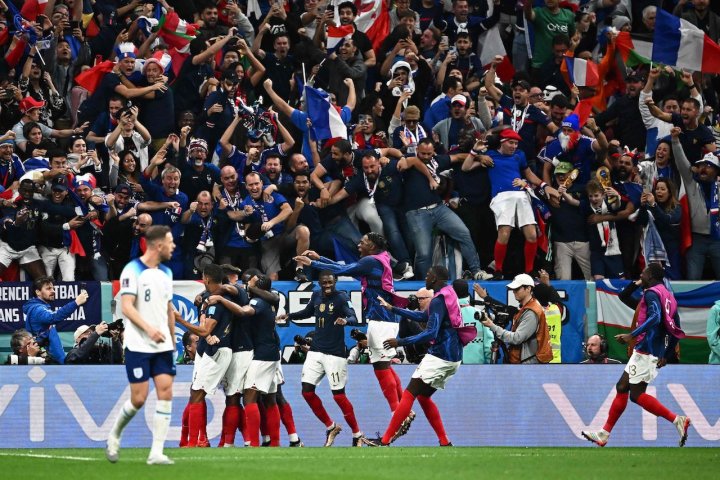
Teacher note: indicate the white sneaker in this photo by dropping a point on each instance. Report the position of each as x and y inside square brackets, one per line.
[482, 275]
[112, 448]
[682, 423]
[599, 438]
[161, 459]
[331, 433]
[408, 273]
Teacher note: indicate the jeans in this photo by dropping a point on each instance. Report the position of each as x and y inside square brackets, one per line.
[480, 221]
[702, 246]
[519, 52]
[422, 222]
[393, 225]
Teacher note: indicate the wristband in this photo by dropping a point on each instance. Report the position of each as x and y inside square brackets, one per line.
[543, 185]
[690, 87]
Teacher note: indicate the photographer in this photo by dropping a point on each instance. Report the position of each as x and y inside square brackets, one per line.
[478, 351]
[302, 347]
[418, 302]
[26, 351]
[529, 340]
[360, 352]
[87, 349]
[41, 317]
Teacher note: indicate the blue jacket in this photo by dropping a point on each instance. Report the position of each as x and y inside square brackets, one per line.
[40, 317]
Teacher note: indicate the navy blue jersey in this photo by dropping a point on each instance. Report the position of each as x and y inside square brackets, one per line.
[372, 270]
[329, 338]
[241, 338]
[388, 188]
[446, 343]
[222, 328]
[266, 343]
[417, 183]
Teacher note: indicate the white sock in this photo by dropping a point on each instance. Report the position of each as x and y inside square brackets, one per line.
[358, 434]
[293, 437]
[161, 423]
[332, 425]
[127, 412]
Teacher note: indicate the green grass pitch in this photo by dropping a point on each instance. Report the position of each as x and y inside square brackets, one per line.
[393, 463]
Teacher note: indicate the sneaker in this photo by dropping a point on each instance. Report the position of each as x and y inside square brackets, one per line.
[331, 433]
[300, 276]
[161, 459]
[600, 438]
[404, 426]
[498, 276]
[204, 443]
[266, 443]
[449, 444]
[375, 442]
[297, 444]
[112, 448]
[408, 273]
[359, 441]
[481, 275]
[682, 423]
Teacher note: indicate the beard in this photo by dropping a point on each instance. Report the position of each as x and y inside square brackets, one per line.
[620, 174]
[568, 142]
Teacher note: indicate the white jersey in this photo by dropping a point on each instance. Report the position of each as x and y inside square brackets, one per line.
[152, 289]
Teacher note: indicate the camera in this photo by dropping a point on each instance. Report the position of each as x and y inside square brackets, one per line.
[302, 341]
[499, 315]
[413, 302]
[277, 30]
[357, 335]
[116, 326]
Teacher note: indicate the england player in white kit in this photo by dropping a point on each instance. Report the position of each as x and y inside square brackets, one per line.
[146, 294]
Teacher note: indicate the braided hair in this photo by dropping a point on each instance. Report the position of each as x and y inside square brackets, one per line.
[378, 240]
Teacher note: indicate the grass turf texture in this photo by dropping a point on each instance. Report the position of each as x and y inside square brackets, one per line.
[391, 463]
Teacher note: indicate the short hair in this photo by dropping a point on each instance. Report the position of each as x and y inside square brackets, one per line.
[694, 101]
[349, 5]
[427, 141]
[302, 173]
[253, 174]
[326, 273]
[214, 273]
[671, 96]
[593, 186]
[343, 145]
[448, 83]
[169, 170]
[656, 271]
[464, 35]
[559, 100]
[440, 272]
[156, 232]
[378, 240]
[41, 281]
[412, 110]
[648, 10]
[55, 153]
[409, 13]
[186, 340]
[561, 39]
[461, 288]
[264, 282]
[16, 341]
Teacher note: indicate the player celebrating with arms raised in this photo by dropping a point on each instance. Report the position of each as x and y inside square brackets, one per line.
[146, 291]
[327, 356]
[376, 279]
[657, 333]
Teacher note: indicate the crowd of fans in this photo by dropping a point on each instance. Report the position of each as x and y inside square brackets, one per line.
[213, 138]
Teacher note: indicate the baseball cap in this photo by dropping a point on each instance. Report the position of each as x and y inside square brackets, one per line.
[59, 184]
[563, 167]
[710, 158]
[461, 99]
[522, 280]
[28, 103]
[80, 330]
[124, 188]
[509, 134]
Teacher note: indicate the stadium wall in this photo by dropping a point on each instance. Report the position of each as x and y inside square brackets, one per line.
[537, 405]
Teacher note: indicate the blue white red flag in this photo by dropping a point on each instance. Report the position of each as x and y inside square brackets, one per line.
[336, 36]
[678, 43]
[325, 118]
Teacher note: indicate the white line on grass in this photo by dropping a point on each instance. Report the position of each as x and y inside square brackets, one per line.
[42, 455]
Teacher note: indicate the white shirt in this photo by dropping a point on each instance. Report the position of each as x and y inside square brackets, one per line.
[152, 289]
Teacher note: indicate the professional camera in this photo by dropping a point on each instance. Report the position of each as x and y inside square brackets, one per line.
[302, 341]
[413, 302]
[116, 326]
[500, 316]
[357, 335]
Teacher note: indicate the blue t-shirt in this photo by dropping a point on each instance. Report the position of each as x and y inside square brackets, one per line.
[266, 211]
[168, 216]
[525, 123]
[582, 157]
[417, 183]
[507, 168]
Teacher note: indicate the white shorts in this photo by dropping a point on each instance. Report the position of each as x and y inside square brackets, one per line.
[196, 368]
[279, 375]
[377, 333]
[317, 365]
[211, 370]
[234, 380]
[7, 255]
[435, 371]
[512, 209]
[262, 376]
[642, 367]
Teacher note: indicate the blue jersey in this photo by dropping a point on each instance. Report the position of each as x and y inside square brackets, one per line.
[446, 343]
[239, 160]
[582, 157]
[372, 270]
[222, 328]
[329, 338]
[241, 340]
[168, 216]
[266, 343]
[506, 169]
[266, 211]
[654, 329]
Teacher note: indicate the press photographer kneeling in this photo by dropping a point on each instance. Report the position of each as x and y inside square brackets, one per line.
[90, 350]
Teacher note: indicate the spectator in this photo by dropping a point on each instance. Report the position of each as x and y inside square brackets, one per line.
[90, 350]
[568, 226]
[548, 21]
[479, 350]
[701, 16]
[56, 232]
[666, 212]
[41, 318]
[130, 134]
[629, 128]
[31, 110]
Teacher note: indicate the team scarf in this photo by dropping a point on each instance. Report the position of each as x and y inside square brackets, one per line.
[713, 211]
[414, 137]
[607, 232]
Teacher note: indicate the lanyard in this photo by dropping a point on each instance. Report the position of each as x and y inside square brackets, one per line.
[517, 123]
[371, 191]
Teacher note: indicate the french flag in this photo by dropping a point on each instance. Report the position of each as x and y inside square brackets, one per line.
[336, 36]
[325, 118]
[579, 72]
[678, 43]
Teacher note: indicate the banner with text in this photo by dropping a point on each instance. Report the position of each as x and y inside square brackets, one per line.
[13, 295]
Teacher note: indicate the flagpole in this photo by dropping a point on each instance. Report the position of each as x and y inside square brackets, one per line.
[37, 50]
[319, 65]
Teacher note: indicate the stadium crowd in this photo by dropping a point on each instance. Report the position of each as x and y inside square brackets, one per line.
[120, 115]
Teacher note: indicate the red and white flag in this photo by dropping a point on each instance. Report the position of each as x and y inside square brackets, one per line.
[177, 32]
[374, 20]
[32, 8]
[336, 36]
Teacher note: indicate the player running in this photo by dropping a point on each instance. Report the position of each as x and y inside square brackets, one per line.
[657, 333]
[327, 356]
[146, 291]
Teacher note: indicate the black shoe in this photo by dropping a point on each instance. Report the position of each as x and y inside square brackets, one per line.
[449, 444]
[375, 442]
[467, 275]
[297, 444]
[300, 276]
[498, 276]
[359, 441]
[265, 444]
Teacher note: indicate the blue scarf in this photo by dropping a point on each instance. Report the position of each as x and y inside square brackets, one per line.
[713, 211]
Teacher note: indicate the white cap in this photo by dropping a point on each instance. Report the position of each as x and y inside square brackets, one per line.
[522, 280]
[80, 330]
[459, 98]
[710, 158]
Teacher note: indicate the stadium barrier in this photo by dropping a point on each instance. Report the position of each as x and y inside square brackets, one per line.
[537, 405]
